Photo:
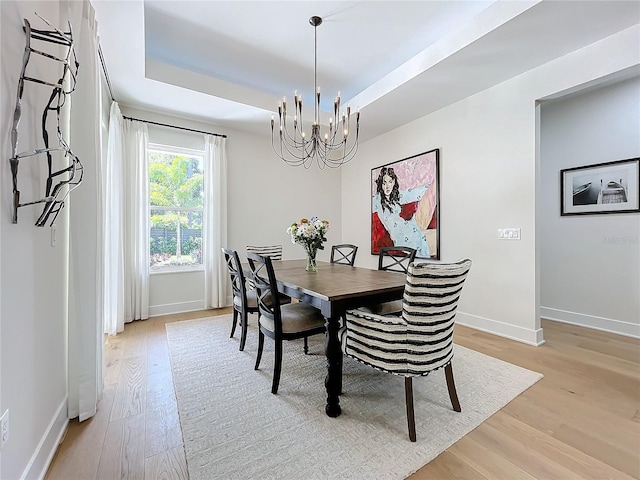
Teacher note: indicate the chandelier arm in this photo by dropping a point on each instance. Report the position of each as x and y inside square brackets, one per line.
[300, 152]
[294, 141]
[285, 147]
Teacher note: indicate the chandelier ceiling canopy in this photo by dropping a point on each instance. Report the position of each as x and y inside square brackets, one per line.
[330, 146]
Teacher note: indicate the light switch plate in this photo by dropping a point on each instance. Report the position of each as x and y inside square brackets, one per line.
[509, 233]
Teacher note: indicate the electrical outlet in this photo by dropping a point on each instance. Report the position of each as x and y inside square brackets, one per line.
[4, 427]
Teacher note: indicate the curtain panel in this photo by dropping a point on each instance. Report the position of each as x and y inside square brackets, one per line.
[125, 223]
[85, 341]
[214, 235]
[136, 221]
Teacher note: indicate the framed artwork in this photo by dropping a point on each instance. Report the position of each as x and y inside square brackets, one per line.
[610, 187]
[405, 205]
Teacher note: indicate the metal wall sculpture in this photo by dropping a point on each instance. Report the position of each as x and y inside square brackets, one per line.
[70, 174]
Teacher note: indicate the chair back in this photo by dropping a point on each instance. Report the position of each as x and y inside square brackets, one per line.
[272, 251]
[429, 308]
[344, 253]
[396, 258]
[237, 278]
[266, 285]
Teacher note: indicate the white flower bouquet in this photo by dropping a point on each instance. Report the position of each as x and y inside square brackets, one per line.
[311, 235]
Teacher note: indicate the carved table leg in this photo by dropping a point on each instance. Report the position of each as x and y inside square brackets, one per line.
[333, 381]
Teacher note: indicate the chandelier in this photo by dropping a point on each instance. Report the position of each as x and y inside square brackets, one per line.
[331, 146]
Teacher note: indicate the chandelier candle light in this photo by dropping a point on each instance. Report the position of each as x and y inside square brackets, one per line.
[333, 148]
[311, 235]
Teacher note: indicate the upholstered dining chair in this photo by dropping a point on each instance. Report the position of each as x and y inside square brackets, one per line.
[393, 259]
[420, 339]
[277, 321]
[272, 251]
[344, 253]
[244, 301]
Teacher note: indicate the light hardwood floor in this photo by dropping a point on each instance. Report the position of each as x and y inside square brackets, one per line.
[582, 421]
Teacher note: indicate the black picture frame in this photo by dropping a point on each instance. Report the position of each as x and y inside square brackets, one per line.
[602, 188]
[409, 215]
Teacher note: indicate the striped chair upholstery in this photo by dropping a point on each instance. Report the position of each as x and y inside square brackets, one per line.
[420, 339]
[274, 252]
[392, 259]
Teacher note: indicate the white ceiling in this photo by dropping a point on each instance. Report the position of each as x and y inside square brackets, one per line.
[230, 62]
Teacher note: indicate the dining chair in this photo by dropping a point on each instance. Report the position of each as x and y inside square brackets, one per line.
[420, 339]
[396, 258]
[272, 251]
[277, 321]
[345, 254]
[392, 259]
[244, 301]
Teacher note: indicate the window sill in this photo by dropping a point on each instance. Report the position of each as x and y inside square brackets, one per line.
[171, 270]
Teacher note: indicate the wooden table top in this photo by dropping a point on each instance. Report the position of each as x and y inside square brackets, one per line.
[335, 282]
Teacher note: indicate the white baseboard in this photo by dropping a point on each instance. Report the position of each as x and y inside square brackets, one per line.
[181, 307]
[610, 325]
[524, 335]
[43, 455]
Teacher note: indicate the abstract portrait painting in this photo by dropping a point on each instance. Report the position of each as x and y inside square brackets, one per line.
[405, 205]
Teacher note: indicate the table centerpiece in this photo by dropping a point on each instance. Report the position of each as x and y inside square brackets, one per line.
[311, 235]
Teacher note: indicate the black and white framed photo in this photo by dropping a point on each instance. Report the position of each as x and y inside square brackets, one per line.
[610, 187]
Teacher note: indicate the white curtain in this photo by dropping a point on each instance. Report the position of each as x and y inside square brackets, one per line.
[135, 229]
[112, 225]
[125, 223]
[214, 233]
[85, 341]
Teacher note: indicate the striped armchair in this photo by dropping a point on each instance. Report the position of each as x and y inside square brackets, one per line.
[417, 341]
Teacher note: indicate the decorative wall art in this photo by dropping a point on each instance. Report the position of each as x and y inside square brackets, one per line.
[63, 166]
[610, 187]
[405, 205]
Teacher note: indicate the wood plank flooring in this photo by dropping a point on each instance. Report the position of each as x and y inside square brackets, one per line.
[582, 421]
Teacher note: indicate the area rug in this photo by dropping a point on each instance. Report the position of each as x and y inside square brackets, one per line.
[234, 428]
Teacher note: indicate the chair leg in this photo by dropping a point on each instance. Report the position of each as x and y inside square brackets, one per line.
[260, 345]
[451, 385]
[235, 321]
[306, 346]
[244, 321]
[411, 419]
[277, 367]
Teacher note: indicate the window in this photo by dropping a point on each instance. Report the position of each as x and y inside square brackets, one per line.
[176, 199]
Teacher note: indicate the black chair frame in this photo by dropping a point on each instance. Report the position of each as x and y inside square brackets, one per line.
[344, 253]
[396, 258]
[266, 284]
[239, 286]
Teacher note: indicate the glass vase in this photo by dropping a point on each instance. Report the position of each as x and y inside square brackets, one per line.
[312, 265]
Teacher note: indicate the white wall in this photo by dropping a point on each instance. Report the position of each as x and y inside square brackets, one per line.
[488, 180]
[264, 197]
[590, 264]
[32, 272]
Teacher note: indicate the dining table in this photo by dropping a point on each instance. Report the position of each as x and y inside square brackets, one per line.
[334, 289]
